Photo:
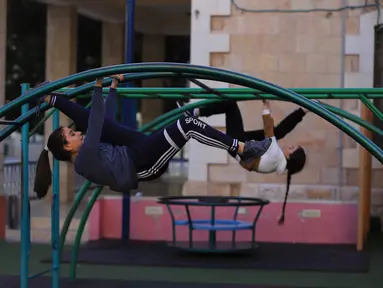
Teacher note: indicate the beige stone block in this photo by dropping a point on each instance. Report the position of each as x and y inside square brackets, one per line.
[307, 176]
[325, 80]
[306, 137]
[233, 173]
[355, 12]
[268, 24]
[236, 25]
[205, 188]
[327, 4]
[306, 44]
[333, 64]
[238, 44]
[320, 193]
[316, 63]
[272, 192]
[285, 80]
[249, 190]
[245, 44]
[353, 25]
[351, 63]
[348, 142]
[331, 175]
[217, 59]
[352, 177]
[322, 157]
[292, 63]
[350, 104]
[234, 61]
[288, 24]
[336, 26]
[303, 25]
[320, 26]
[254, 43]
[287, 43]
[348, 193]
[254, 177]
[303, 80]
[235, 190]
[268, 62]
[329, 45]
[269, 44]
[217, 23]
[298, 5]
[283, 4]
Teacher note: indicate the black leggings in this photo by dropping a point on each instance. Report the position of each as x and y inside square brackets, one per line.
[151, 153]
[234, 122]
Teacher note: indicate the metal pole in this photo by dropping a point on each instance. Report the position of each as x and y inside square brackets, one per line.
[128, 106]
[55, 213]
[25, 215]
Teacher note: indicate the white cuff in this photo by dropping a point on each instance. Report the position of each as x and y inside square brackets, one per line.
[266, 112]
[46, 148]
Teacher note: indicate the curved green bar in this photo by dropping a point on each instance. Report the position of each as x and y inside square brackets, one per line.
[353, 118]
[201, 71]
[80, 231]
[312, 93]
[76, 203]
[371, 106]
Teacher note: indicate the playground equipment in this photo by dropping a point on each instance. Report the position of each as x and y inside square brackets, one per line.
[257, 89]
[213, 225]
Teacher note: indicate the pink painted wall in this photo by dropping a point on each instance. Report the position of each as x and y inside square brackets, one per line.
[337, 224]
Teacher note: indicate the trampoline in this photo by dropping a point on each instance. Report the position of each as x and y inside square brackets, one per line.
[213, 225]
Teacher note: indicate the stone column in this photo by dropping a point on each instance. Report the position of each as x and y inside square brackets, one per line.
[3, 41]
[61, 61]
[153, 50]
[3, 49]
[112, 43]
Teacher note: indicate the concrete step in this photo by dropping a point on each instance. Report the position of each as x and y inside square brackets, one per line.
[41, 231]
[45, 223]
[44, 236]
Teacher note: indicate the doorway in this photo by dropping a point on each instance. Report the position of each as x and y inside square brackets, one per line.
[378, 79]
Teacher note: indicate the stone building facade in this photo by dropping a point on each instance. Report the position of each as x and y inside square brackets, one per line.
[308, 49]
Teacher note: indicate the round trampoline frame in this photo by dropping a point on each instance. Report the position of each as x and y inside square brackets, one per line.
[213, 225]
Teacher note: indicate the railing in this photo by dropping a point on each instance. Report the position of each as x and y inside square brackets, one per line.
[12, 178]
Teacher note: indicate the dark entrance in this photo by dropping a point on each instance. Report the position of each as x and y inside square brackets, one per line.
[378, 78]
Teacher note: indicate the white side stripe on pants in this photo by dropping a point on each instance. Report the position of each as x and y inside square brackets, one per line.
[168, 155]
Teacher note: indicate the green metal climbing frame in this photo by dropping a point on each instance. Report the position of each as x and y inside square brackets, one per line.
[255, 89]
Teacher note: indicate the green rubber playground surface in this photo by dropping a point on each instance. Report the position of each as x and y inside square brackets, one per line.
[10, 265]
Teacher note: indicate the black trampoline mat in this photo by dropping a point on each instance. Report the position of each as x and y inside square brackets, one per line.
[46, 282]
[268, 256]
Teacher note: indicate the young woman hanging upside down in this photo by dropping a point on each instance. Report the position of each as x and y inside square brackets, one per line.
[272, 158]
[116, 156]
[234, 122]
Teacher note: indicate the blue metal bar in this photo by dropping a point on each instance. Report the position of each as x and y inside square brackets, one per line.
[55, 213]
[129, 106]
[25, 215]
